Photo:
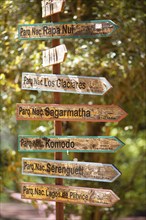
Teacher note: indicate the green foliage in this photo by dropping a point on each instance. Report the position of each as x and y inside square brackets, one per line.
[120, 58]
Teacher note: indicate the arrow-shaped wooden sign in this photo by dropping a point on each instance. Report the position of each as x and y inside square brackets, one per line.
[85, 29]
[54, 55]
[101, 144]
[65, 83]
[69, 194]
[70, 170]
[62, 112]
[52, 7]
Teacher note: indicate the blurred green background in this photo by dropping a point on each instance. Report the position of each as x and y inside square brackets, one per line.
[120, 58]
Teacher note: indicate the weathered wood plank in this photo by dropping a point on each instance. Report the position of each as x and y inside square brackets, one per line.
[85, 29]
[50, 8]
[60, 112]
[70, 170]
[69, 194]
[54, 55]
[28, 143]
[65, 83]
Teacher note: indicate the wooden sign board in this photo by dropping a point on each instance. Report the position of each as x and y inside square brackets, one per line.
[52, 7]
[54, 55]
[86, 29]
[60, 112]
[69, 170]
[65, 83]
[100, 144]
[69, 194]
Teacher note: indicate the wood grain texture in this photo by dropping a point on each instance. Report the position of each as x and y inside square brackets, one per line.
[69, 194]
[86, 29]
[51, 8]
[65, 83]
[107, 144]
[70, 170]
[54, 55]
[60, 112]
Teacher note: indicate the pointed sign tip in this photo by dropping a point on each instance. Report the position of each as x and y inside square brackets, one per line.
[123, 114]
[115, 198]
[116, 26]
[117, 173]
[121, 142]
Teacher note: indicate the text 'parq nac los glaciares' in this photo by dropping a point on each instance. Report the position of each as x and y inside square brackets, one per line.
[65, 83]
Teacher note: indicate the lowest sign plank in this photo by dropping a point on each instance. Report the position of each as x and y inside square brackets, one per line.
[70, 170]
[69, 194]
[63, 112]
[85, 29]
[65, 83]
[29, 143]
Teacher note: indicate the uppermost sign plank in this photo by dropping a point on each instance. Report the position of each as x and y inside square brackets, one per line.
[80, 29]
[52, 7]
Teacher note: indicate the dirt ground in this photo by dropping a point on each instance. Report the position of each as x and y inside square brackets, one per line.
[24, 211]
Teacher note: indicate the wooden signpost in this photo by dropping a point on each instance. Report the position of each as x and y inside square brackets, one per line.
[86, 29]
[57, 112]
[69, 194]
[100, 144]
[52, 7]
[60, 112]
[65, 83]
[70, 170]
[57, 125]
[54, 55]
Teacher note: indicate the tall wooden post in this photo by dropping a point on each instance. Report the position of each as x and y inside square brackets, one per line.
[57, 125]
